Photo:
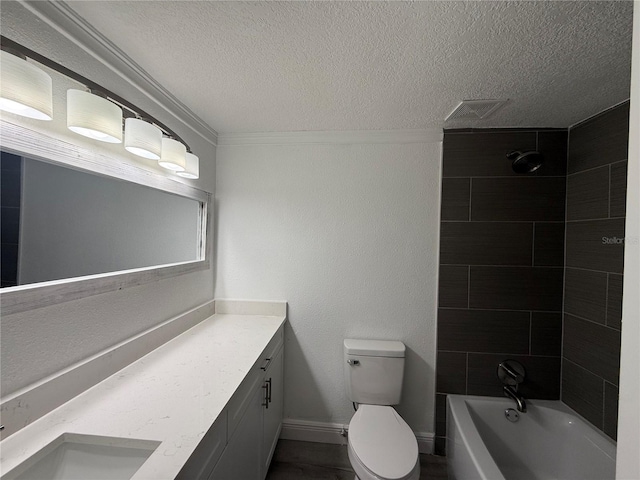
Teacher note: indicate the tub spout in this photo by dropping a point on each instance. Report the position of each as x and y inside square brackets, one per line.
[521, 404]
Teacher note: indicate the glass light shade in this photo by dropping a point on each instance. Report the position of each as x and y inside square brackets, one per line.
[192, 170]
[142, 139]
[93, 116]
[174, 155]
[25, 89]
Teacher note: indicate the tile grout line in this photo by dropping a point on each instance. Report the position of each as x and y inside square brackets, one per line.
[530, 331]
[604, 386]
[595, 168]
[609, 194]
[510, 221]
[594, 322]
[466, 374]
[533, 246]
[592, 270]
[507, 266]
[500, 310]
[606, 302]
[469, 286]
[470, 190]
[497, 353]
[516, 176]
[564, 262]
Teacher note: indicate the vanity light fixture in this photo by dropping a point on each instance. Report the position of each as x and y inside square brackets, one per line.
[95, 112]
[94, 116]
[174, 155]
[26, 90]
[142, 138]
[192, 169]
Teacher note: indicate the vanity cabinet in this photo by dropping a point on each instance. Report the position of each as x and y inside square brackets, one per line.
[254, 419]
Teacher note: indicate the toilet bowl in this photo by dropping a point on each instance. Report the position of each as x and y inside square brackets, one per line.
[381, 445]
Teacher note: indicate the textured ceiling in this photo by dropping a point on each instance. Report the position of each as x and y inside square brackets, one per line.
[289, 66]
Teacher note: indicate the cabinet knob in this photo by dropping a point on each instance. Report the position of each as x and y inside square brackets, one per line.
[353, 362]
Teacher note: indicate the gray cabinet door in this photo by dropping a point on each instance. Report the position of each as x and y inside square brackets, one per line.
[242, 458]
[274, 377]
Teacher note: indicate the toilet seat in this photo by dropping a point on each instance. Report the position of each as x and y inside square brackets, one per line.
[381, 443]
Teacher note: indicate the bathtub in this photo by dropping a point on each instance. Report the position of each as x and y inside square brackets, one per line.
[550, 441]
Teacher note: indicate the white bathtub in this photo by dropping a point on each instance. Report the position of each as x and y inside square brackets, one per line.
[550, 441]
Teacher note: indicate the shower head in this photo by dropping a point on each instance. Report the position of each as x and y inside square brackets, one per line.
[525, 162]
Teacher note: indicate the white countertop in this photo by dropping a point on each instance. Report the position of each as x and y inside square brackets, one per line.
[172, 395]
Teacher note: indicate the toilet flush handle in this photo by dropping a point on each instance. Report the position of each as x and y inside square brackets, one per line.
[353, 362]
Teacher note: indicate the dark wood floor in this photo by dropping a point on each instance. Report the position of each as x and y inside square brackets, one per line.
[294, 460]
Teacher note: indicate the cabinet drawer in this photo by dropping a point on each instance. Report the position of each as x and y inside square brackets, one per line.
[272, 349]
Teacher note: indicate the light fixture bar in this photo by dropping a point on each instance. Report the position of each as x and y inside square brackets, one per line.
[13, 47]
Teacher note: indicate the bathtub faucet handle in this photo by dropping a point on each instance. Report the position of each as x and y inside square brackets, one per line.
[511, 373]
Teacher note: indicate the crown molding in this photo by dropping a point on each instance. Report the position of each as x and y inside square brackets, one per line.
[432, 135]
[63, 19]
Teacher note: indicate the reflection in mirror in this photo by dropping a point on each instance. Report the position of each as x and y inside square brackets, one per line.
[58, 223]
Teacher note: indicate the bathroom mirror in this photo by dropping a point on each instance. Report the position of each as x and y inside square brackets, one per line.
[77, 223]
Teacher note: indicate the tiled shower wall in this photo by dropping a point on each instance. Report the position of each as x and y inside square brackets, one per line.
[596, 197]
[501, 264]
[502, 254]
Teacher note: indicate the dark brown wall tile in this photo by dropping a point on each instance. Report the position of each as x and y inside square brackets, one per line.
[451, 376]
[518, 199]
[618, 200]
[596, 245]
[583, 391]
[486, 243]
[455, 198]
[611, 410]
[553, 145]
[483, 154]
[546, 334]
[593, 347]
[483, 331]
[600, 140]
[588, 194]
[542, 380]
[585, 294]
[441, 414]
[614, 301]
[440, 446]
[453, 286]
[548, 244]
[516, 288]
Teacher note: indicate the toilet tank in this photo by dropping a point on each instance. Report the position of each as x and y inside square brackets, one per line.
[373, 371]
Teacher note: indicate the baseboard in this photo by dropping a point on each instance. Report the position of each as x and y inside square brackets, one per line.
[425, 442]
[319, 432]
[336, 433]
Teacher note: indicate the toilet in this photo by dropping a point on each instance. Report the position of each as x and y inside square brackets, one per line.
[381, 444]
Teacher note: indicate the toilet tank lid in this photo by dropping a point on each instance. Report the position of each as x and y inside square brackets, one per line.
[374, 348]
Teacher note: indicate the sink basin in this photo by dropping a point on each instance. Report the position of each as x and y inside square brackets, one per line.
[82, 457]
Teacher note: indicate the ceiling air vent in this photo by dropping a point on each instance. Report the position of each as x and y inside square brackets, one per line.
[475, 109]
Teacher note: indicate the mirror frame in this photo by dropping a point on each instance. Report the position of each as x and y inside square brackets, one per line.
[22, 141]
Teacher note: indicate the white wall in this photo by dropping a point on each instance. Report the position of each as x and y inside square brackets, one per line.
[348, 235]
[74, 224]
[37, 343]
[628, 460]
